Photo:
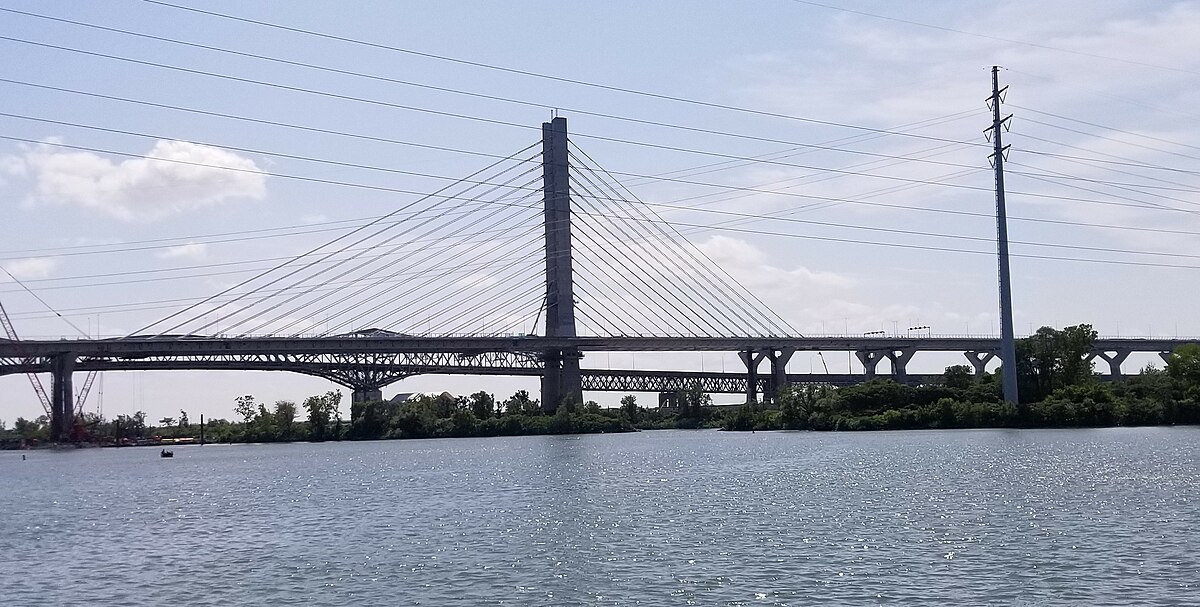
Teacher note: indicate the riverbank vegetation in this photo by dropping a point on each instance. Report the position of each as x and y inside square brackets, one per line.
[1058, 388]
[1057, 385]
[419, 416]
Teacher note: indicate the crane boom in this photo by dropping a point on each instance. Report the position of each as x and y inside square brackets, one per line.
[38, 388]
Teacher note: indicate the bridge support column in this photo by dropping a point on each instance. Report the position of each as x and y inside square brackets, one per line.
[561, 379]
[870, 361]
[62, 398]
[1114, 361]
[364, 394]
[900, 358]
[779, 379]
[979, 360]
[751, 359]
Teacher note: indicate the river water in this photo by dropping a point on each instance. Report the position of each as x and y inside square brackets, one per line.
[1080, 517]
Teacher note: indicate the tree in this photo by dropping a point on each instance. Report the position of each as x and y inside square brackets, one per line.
[285, 416]
[321, 411]
[166, 421]
[693, 400]
[245, 407]
[183, 419]
[958, 376]
[629, 407]
[27, 430]
[520, 404]
[482, 405]
[1184, 364]
[1051, 359]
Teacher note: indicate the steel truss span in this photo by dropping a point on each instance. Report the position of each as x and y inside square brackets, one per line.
[467, 346]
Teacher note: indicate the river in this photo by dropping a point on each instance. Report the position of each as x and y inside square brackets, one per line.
[989, 517]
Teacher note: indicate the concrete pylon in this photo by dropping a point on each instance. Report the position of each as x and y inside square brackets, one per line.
[62, 397]
[1114, 361]
[751, 359]
[870, 361]
[561, 379]
[979, 360]
[779, 379]
[900, 358]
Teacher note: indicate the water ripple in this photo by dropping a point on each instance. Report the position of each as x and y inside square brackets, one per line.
[1102, 517]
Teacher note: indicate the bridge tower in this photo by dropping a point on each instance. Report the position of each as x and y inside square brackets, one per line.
[62, 397]
[561, 380]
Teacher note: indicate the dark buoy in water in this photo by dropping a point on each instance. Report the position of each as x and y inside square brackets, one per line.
[22, 457]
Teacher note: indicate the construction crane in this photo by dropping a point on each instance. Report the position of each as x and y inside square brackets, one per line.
[38, 388]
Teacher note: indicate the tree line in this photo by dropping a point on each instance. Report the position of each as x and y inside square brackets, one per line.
[1057, 384]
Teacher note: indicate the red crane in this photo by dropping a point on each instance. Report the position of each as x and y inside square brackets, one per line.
[38, 388]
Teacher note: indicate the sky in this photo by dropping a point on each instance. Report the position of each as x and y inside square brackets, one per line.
[829, 158]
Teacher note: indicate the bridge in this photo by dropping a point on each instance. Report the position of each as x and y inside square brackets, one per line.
[654, 293]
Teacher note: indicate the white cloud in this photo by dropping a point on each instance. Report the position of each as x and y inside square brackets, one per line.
[745, 260]
[33, 267]
[190, 250]
[173, 177]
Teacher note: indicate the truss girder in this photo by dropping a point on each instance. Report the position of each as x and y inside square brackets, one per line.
[134, 347]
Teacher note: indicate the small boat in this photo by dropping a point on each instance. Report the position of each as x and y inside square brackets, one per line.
[165, 453]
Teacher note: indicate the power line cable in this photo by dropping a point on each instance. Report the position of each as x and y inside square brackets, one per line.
[977, 35]
[519, 71]
[355, 231]
[410, 83]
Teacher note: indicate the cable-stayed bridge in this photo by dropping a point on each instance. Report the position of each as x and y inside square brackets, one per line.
[520, 268]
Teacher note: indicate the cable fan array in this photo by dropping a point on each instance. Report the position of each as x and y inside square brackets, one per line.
[464, 260]
[635, 274]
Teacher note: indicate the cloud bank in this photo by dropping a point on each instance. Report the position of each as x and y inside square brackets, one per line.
[173, 177]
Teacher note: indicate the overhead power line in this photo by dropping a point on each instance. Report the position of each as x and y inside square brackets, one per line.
[522, 102]
[979, 35]
[529, 73]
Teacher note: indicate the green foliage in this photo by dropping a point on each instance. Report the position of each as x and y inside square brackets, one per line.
[1052, 359]
[483, 405]
[520, 404]
[693, 401]
[959, 377]
[630, 408]
[750, 417]
[284, 418]
[322, 410]
[1184, 364]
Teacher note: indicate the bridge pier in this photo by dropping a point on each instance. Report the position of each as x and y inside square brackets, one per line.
[1114, 360]
[779, 379]
[751, 358]
[979, 360]
[62, 397]
[561, 379]
[870, 361]
[900, 358]
[365, 394]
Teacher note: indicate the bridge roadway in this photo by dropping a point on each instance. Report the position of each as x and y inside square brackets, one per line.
[133, 347]
[357, 350]
[368, 361]
[371, 360]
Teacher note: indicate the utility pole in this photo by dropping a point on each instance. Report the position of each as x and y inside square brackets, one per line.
[1008, 348]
